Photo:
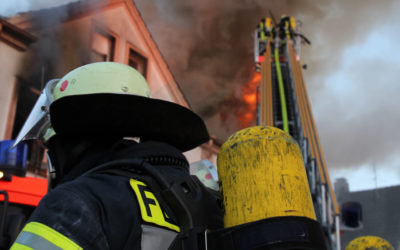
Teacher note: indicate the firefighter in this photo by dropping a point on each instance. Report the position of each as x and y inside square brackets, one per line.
[117, 175]
[369, 243]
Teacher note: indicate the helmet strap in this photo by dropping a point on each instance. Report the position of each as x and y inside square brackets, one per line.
[51, 172]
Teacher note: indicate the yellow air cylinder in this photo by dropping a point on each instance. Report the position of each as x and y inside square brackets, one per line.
[369, 243]
[262, 175]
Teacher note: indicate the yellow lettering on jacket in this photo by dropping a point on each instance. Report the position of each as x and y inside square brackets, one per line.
[150, 208]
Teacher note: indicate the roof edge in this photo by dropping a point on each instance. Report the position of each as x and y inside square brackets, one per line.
[14, 36]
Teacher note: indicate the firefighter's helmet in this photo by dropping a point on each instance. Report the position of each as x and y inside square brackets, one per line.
[109, 98]
[369, 243]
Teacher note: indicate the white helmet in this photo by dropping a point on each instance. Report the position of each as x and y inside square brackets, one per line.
[109, 98]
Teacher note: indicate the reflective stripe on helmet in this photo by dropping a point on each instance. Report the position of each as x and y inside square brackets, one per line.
[36, 235]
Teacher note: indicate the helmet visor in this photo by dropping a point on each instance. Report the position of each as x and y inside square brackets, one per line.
[39, 118]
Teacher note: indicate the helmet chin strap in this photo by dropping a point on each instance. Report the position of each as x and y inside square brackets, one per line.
[51, 173]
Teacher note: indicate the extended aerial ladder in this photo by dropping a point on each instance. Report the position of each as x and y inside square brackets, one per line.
[284, 103]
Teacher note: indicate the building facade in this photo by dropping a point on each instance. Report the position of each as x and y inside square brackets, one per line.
[13, 45]
[59, 39]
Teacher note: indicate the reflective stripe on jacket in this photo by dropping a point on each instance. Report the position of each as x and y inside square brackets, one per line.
[36, 235]
[66, 219]
[103, 211]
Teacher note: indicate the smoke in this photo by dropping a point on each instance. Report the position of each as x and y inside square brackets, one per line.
[58, 48]
[353, 83]
[8, 8]
[360, 126]
[208, 46]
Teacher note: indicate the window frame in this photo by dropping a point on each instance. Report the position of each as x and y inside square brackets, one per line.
[104, 31]
[130, 47]
[12, 109]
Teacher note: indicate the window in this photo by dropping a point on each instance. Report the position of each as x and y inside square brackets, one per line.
[27, 97]
[28, 94]
[137, 60]
[103, 46]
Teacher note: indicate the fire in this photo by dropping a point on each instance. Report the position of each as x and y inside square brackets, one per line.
[250, 98]
[247, 115]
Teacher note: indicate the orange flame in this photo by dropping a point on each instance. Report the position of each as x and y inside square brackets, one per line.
[247, 115]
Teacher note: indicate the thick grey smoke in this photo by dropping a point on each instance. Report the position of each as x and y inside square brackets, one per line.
[353, 87]
[58, 48]
[360, 126]
[208, 46]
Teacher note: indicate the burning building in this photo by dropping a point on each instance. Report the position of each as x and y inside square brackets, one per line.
[46, 44]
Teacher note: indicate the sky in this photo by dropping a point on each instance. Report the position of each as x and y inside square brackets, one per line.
[353, 63]
[357, 106]
[365, 86]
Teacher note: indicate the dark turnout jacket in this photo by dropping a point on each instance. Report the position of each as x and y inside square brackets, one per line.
[106, 210]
